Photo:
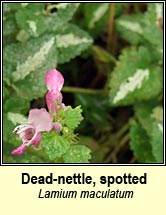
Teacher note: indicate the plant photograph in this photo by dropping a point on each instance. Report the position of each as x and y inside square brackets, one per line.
[82, 83]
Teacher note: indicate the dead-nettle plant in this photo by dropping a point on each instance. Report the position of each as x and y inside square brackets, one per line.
[41, 36]
[52, 133]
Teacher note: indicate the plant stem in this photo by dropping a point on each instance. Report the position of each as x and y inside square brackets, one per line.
[110, 25]
[113, 156]
[84, 91]
[123, 130]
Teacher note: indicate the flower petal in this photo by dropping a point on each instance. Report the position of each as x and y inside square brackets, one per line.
[27, 134]
[40, 119]
[36, 140]
[52, 98]
[54, 80]
[19, 150]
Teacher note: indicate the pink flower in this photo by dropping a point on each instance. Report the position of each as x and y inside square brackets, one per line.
[38, 120]
[54, 82]
[53, 100]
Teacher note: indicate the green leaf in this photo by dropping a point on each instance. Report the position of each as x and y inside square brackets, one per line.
[8, 127]
[134, 79]
[17, 118]
[77, 154]
[25, 158]
[130, 27]
[33, 23]
[152, 31]
[56, 21]
[157, 142]
[9, 25]
[6, 92]
[9, 28]
[33, 7]
[95, 109]
[71, 41]
[8, 7]
[139, 143]
[102, 55]
[150, 115]
[73, 117]
[27, 56]
[29, 158]
[94, 17]
[9, 159]
[95, 13]
[98, 150]
[144, 28]
[16, 104]
[26, 63]
[9, 139]
[54, 145]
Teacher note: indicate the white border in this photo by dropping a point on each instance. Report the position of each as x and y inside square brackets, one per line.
[90, 164]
